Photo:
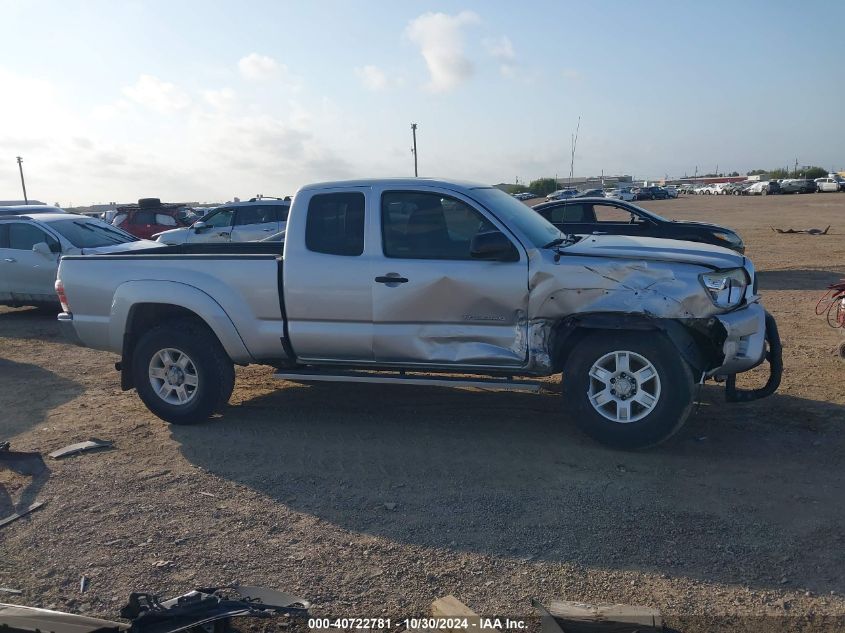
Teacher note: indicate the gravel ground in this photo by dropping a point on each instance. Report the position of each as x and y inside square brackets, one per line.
[373, 500]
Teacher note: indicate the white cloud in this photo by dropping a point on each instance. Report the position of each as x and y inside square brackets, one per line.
[372, 77]
[572, 74]
[501, 49]
[256, 67]
[441, 43]
[219, 99]
[155, 94]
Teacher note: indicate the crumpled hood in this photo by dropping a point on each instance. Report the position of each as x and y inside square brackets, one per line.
[174, 236]
[118, 248]
[658, 249]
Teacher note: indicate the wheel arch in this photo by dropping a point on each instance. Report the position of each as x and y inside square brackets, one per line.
[141, 305]
[570, 331]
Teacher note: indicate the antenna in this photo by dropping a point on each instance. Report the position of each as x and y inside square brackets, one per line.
[414, 150]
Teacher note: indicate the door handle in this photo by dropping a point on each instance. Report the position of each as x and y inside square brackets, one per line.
[11, 260]
[266, 230]
[223, 234]
[391, 279]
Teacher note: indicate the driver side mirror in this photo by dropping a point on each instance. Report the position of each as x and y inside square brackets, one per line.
[493, 246]
[199, 225]
[42, 249]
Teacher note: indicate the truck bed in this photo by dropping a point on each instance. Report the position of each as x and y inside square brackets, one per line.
[234, 288]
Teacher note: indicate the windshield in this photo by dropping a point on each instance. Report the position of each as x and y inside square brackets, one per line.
[89, 233]
[511, 211]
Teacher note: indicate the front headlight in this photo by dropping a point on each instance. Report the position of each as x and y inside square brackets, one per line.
[730, 238]
[726, 287]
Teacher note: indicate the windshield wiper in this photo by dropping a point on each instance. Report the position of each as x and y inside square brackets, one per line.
[565, 240]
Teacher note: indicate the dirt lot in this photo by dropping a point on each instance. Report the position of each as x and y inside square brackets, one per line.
[497, 497]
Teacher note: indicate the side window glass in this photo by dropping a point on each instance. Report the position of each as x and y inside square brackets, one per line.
[165, 220]
[220, 219]
[335, 224]
[24, 236]
[248, 215]
[573, 213]
[612, 214]
[4, 236]
[280, 213]
[418, 225]
[119, 219]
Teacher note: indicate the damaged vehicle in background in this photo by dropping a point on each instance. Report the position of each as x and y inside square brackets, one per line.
[436, 283]
[31, 245]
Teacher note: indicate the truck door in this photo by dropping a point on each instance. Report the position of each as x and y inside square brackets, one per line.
[255, 222]
[327, 277]
[433, 303]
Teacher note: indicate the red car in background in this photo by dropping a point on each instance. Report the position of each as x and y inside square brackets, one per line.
[151, 216]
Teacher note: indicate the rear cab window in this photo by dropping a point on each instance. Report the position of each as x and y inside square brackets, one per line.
[335, 224]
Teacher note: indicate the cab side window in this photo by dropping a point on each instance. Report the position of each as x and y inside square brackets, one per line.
[612, 214]
[578, 213]
[417, 225]
[335, 224]
[220, 219]
[24, 236]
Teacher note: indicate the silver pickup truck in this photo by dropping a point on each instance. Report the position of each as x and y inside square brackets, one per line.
[430, 282]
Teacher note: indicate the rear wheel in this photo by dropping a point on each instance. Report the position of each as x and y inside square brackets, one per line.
[628, 390]
[181, 372]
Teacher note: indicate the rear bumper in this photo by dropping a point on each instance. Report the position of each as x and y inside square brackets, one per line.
[68, 330]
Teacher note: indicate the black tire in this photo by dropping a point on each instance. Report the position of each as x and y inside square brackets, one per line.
[214, 370]
[673, 405]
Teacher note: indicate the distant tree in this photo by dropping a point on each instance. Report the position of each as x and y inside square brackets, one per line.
[542, 186]
[514, 189]
[812, 172]
[776, 174]
[756, 172]
[733, 174]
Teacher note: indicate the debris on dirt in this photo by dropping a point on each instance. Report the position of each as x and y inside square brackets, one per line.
[22, 513]
[801, 231]
[164, 563]
[10, 590]
[453, 609]
[83, 584]
[207, 494]
[80, 447]
[390, 506]
[23, 463]
[579, 617]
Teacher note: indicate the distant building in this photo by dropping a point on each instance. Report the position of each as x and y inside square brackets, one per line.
[12, 203]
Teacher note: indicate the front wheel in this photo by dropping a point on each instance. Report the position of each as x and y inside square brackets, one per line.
[628, 390]
[181, 372]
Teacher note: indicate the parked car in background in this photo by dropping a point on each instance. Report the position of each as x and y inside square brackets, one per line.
[764, 188]
[561, 194]
[625, 193]
[600, 216]
[525, 195]
[246, 221]
[798, 185]
[151, 216]
[671, 191]
[829, 184]
[29, 209]
[32, 244]
[651, 193]
[590, 193]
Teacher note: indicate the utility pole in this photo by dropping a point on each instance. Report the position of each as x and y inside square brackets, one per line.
[414, 151]
[574, 144]
[23, 184]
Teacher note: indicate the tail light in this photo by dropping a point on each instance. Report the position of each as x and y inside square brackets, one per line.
[60, 290]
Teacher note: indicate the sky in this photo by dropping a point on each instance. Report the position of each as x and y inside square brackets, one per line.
[205, 100]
